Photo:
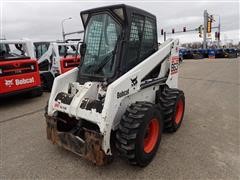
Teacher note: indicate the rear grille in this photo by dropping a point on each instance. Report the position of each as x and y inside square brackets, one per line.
[11, 69]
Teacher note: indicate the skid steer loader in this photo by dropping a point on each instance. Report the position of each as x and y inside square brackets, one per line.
[19, 73]
[55, 58]
[124, 91]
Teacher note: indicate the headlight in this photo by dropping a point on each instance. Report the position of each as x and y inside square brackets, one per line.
[1, 71]
[66, 64]
[32, 67]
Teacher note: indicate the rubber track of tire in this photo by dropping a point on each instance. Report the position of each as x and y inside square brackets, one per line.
[128, 128]
[167, 103]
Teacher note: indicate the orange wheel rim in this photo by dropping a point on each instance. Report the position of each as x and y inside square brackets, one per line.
[151, 135]
[179, 111]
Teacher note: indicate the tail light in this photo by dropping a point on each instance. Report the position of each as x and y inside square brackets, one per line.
[32, 67]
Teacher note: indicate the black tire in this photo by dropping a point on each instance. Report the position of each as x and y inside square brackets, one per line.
[46, 109]
[232, 55]
[132, 130]
[180, 60]
[197, 56]
[44, 83]
[172, 103]
[47, 81]
[34, 93]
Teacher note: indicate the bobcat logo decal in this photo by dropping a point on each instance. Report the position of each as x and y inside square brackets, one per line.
[134, 81]
[9, 83]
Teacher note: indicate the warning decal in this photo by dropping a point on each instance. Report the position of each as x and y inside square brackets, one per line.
[174, 64]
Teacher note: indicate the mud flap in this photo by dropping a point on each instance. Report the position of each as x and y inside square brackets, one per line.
[89, 147]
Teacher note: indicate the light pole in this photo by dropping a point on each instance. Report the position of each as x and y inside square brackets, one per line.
[205, 20]
[219, 29]
[63, 33]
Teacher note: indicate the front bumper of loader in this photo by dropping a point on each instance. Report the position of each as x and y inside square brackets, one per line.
[89, 147]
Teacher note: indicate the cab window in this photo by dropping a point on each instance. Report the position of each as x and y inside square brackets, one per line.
[40, 49]
[142, 41]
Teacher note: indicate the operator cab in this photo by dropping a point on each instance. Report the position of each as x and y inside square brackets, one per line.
[116, 39]
[12, 51]
[40, 48]
[67, 50]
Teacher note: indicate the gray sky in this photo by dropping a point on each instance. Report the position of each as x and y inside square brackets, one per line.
[41, 20]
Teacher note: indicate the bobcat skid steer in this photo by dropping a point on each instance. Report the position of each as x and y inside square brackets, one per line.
[19, 73]
[124, 91]
[55, 58]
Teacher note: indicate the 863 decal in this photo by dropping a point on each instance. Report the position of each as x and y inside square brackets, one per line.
[174, 64]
